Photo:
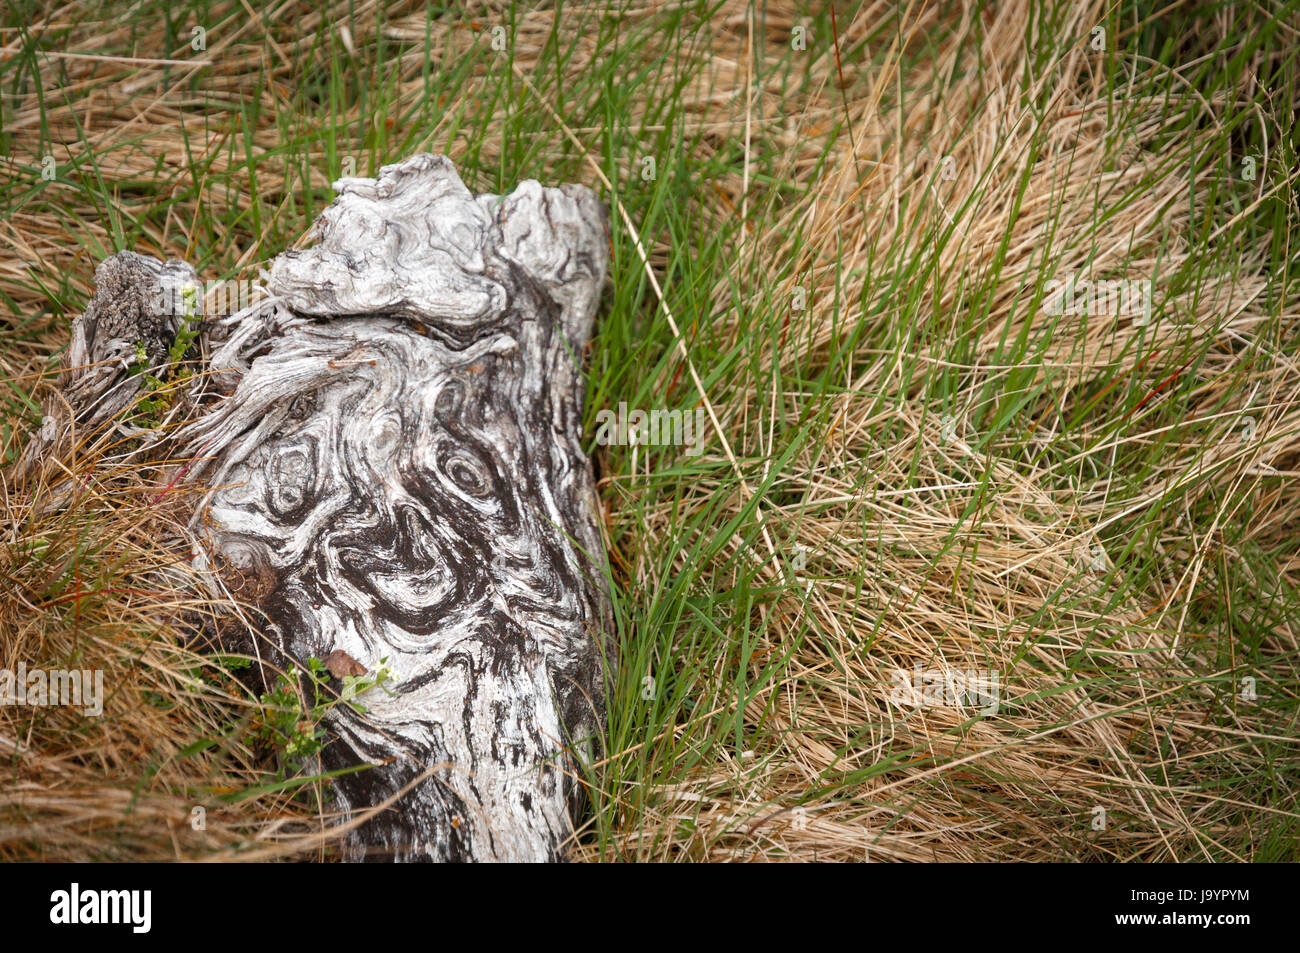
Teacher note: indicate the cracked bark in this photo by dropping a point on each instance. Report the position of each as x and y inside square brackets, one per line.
[397, 460]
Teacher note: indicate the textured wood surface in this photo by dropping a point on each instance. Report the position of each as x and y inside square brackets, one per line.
[137, 307]
[397, 462]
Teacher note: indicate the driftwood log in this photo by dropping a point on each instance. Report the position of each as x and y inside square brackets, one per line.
[390, 446]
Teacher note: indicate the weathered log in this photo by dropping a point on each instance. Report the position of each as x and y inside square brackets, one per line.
[398, 462]
[129, 326]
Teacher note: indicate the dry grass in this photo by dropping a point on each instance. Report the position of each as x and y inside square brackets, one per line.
[968, 543]
[96, 579]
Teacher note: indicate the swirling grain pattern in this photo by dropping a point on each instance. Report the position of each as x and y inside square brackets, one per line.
[401, 456]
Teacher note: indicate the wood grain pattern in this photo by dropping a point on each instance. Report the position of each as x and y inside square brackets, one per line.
[137, 307]
[399, 460]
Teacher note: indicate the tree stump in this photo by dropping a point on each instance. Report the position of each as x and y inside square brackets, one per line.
[397, 460]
